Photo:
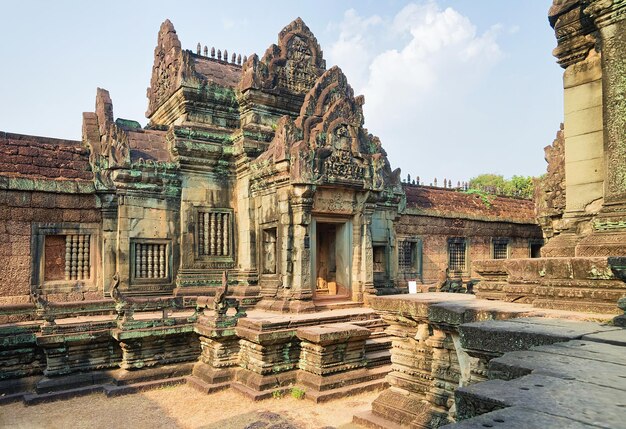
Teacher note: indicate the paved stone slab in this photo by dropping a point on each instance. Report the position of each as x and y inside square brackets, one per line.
[582, 402]
[587, 350]
[517, 364]
[616, 337]
[501, 336]
[336, 332]
[518, 418]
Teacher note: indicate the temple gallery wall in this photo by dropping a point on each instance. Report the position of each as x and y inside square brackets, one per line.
[254, 236]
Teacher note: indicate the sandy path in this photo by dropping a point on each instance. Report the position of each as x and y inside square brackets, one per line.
[184, 407]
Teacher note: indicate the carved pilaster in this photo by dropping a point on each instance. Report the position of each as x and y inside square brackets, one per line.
[573, 30]
[367, 267]
[302, 205]
[609, 16]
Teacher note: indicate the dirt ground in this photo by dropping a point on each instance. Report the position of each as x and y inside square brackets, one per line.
[183, 407]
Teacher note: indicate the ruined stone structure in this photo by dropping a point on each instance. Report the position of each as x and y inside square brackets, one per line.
[186, 251]
[262, 168]
[590, 49]
[167, 254]
[580, 203]
[541, 371]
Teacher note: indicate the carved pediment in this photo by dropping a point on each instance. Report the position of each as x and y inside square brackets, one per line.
[167, 67]
[293, 65]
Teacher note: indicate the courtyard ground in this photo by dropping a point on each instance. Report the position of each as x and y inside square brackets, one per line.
[183, 407]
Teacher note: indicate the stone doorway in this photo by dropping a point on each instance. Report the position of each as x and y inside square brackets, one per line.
[332, 262]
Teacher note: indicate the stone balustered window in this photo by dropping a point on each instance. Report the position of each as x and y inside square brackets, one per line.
[214, 233]
[150, 261]
[64, 256]
[410, 257]
[67, 257]
[500, 248]
[457, 254]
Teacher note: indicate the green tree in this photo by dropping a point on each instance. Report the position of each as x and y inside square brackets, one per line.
[496, 184]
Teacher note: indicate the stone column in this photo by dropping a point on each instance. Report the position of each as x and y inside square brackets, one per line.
[301, 292]
[367, 252]
[109, 240]
[609, 17]
[608, 237]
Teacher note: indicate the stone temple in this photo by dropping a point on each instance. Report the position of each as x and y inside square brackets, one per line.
[263, 169]
[254, 236]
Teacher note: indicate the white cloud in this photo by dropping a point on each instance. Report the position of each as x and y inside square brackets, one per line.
[353, 48]
[423, 62]
[444, 57]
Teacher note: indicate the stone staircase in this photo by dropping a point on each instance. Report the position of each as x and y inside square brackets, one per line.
[575, 384]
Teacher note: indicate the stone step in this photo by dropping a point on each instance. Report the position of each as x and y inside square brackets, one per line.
[501, 336]
[379, 334]
[323, 305]
[377, 343]
[111, 390]
[72, 381]
[378, 358]
[38, 398]
[597, 371]
[375, 325]
[13, 397]
[256, 395]
[353, 389]
[518, 418]
[370, 420]
[204, 387]
[573, 400]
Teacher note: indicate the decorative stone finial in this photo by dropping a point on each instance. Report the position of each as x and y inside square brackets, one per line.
[206, 51]
[213, 52]
[225, 55]
[198, 48]
[239, 59]
[219, 54]
[245, 58]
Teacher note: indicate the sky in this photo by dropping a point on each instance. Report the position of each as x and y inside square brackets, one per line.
[453, 88]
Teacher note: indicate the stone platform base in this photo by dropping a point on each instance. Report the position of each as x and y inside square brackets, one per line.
[575, 384]
[110, 382]
[443, 341]
[589, 284]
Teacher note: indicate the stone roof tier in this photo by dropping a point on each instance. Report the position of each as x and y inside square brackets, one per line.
[452, 203]
[218, 72]
[43, 158]
[148, 145]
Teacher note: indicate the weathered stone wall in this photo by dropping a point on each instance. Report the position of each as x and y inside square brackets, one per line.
[19, 211]
[43, 181]
[435, 231]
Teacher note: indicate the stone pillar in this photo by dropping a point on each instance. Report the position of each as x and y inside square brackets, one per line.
[219, 359]
[609, 17]
[367, 263]
[608, 237]
[268, 360]
[298, 294]
[109, 241]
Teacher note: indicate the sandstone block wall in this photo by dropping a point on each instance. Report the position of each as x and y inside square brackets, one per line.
[18, 211]
[435, 232]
